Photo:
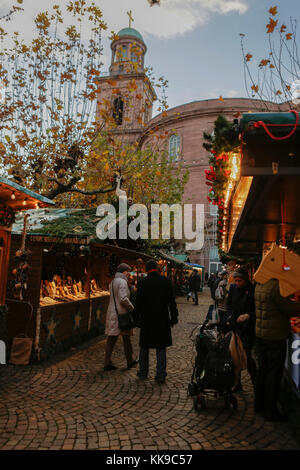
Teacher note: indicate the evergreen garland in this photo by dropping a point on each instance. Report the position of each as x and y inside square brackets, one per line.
[7, 216]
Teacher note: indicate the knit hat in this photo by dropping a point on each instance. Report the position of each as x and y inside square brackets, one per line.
[242, 273]
[152, 264]
[123, 267]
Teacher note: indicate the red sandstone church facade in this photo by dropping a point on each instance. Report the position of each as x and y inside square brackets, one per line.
[128, 96]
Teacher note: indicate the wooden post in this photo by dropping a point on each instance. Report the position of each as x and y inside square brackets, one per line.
[5, 234]
[88, 291]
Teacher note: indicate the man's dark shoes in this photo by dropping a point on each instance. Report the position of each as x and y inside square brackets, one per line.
[110, 367]
[141, 376]
[132, 364]
[237, 388]
[276, 417]
[160, 381]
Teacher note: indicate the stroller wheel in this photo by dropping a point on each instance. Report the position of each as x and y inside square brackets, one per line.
[233, 401]
[203, 402]
[195, 402]
[227, 401]
[192, 389]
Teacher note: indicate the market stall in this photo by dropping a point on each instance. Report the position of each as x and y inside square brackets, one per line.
[259, 208]
[174, 269]
[67, 293]
[14, 198]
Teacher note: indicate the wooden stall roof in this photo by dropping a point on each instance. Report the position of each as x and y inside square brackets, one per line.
[268, 186]
[23, 198]
[86, 241]
[174, 260]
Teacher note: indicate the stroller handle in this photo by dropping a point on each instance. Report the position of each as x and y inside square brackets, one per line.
[210, 326]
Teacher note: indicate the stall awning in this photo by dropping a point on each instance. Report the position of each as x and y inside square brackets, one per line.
[265, 150]
[171, 258]
[19, 198]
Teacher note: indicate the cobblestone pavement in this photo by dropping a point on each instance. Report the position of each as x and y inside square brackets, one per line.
[70, 403]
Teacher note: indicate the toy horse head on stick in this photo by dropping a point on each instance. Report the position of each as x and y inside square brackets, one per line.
[280, 263]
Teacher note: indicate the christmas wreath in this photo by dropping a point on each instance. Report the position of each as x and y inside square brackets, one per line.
[7, 216]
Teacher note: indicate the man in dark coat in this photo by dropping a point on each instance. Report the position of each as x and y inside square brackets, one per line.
[155, 313]
[195, 285]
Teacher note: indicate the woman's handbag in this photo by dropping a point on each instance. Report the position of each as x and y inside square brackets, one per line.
[125, 320]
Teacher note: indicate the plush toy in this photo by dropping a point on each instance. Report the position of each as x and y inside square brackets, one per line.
[280, 263]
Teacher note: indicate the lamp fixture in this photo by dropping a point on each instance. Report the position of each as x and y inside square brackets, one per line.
[13, 196]
[25, 201]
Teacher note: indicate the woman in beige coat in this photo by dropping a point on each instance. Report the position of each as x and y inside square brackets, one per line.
[122, 294]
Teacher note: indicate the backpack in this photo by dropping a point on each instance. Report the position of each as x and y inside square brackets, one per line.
[220, 293]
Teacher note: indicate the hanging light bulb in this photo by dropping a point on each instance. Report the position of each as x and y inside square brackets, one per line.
[13, 196]
[25, 201]
[37, 206]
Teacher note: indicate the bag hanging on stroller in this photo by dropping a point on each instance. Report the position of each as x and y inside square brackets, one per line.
[214, 368]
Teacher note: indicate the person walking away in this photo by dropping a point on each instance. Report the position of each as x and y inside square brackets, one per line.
[190, 288]
[210, 283]
[272, 330]
[195, 285]
[215, 285]
[240, 314]
[155, 313]
[221, 295]
[120, 292]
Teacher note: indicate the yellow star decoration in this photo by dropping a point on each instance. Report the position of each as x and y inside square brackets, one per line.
[77, 319]
[51, 326]
[98, 313]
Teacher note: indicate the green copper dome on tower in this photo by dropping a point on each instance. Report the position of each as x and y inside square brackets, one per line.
[130, 32]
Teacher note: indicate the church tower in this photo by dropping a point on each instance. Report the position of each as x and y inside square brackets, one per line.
[126, 95]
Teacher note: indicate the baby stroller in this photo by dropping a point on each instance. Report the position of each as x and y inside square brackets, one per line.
[213, 370]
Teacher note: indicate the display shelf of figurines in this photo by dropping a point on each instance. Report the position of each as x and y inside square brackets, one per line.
[64, 300]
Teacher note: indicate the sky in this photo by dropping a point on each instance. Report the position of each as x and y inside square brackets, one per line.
[194, 44]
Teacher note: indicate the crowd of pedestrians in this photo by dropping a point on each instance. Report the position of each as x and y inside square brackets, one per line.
[259, 315]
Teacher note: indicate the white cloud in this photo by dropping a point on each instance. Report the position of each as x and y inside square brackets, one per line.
[171, 18]
[224, 92]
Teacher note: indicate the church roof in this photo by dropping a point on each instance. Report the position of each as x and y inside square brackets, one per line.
[130, 32]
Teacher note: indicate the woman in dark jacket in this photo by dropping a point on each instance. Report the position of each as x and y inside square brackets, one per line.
[240, 315]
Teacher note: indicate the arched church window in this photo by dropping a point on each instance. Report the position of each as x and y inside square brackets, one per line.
[118, 108]
[123, 53]
[174, 147]
[135, 54]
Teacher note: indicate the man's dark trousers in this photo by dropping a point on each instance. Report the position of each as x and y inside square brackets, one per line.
[196, 296]
[271, 357]
[161, 363]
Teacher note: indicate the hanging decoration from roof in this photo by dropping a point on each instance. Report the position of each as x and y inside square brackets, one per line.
[271, 268]
[7, 216]
[154, 2]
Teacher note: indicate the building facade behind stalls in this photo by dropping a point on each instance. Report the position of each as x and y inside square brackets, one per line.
[127, 96]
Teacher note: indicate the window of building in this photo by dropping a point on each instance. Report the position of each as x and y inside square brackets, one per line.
[123, 53]
[213, 210]
[174, 147]
[135, 54]
[118, 108]
[213, 254]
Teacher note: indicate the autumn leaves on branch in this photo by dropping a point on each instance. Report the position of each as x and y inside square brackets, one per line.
[51, 140]
[274, 78]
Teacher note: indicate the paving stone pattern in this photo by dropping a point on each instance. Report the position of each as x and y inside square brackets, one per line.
[71, 403]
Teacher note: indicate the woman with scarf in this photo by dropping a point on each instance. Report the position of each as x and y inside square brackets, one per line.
[240, 315]
[119, 297]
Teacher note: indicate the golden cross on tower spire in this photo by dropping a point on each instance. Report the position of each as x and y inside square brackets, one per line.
[129, 13]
